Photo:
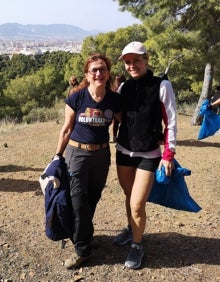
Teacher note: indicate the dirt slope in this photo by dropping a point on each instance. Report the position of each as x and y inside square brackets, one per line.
[179, 246]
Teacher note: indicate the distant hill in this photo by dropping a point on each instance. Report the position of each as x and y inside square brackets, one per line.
[37, 32]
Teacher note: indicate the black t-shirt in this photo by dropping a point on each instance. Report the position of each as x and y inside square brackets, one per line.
[93, 118]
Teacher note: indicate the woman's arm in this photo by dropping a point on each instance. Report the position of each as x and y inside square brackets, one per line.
[118, 116]
[66, 130]
[217, 102]
[167, 98]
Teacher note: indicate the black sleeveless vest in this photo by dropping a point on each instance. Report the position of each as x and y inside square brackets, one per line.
[141, 126]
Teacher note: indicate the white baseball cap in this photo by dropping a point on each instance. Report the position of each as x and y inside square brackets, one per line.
[134, 47]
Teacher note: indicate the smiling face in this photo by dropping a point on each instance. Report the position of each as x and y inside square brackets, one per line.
[97, 73]
[136, 65]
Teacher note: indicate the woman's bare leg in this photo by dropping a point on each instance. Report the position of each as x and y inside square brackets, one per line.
[141, 189]
[126, 176]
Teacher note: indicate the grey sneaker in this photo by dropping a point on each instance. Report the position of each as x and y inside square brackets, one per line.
[124, 237]
[135, 256]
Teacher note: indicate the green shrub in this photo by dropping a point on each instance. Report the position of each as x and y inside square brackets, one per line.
[186, 109]
[42, 115]
[186, 97]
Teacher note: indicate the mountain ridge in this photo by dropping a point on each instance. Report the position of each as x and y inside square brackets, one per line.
[42, 32]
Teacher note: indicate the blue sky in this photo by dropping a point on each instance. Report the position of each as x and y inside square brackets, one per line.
[101, 15]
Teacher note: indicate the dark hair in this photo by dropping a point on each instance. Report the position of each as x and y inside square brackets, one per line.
[120, 78]
[117, 81]
[73, 80]
[218, 88]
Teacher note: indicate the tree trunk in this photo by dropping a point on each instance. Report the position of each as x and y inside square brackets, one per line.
[206, 90]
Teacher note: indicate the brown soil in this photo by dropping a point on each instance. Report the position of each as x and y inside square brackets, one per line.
[179, 246]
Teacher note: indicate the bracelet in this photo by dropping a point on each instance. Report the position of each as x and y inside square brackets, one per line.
[59, 154]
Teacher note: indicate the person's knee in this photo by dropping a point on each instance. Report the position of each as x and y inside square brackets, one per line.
[137, 209]
[126, 187]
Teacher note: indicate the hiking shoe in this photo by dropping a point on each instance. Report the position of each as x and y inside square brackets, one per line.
[94, 243]
[135, 256]
[75, 261]
[124, 237]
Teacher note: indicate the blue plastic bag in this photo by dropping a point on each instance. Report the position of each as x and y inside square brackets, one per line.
[210, 123]
[172, 191]
[163, 179]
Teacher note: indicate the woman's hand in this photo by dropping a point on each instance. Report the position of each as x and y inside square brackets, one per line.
[168, 165]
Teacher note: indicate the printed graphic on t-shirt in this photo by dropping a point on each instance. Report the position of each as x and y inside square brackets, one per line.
[95, 117]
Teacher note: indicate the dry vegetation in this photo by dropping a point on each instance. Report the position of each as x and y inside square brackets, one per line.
[179, 246]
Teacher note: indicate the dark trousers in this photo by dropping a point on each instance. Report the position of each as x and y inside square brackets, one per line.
[88, 172]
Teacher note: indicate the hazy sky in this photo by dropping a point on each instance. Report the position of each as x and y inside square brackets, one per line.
[103, 15]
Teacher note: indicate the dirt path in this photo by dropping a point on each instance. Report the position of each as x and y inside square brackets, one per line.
[179, 246]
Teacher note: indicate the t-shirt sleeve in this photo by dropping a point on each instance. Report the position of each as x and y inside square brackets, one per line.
[71, 101]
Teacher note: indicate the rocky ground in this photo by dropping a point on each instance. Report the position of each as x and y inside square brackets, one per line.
[179, 246]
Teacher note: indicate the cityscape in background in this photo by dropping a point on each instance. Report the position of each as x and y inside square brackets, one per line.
[37, 39]
[37, 47]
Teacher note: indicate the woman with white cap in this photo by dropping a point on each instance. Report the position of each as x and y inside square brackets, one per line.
[148, 120]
